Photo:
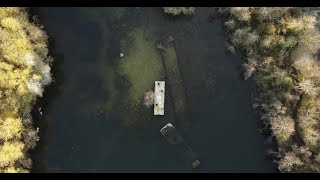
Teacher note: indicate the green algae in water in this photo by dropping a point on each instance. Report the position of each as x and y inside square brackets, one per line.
[107, 71]
[118, 12]
[110, 87]
[141, 64]
[125, 80]
[103, 13]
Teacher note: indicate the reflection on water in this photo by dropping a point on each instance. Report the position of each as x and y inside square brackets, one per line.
[96, 121]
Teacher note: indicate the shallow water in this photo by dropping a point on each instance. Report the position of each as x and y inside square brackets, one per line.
[93, 120]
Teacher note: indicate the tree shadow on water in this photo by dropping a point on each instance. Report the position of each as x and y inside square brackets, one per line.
[44, 122]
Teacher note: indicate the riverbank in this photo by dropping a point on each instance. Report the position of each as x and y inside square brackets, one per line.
[281, 46]
[24, 70]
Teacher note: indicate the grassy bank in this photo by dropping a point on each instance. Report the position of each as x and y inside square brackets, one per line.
[281, 47]
[24, 71]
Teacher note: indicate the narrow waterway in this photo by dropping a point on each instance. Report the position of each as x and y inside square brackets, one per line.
[93, 115]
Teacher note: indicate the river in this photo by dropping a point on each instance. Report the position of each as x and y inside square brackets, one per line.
[92, 120]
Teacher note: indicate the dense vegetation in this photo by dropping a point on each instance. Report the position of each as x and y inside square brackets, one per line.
[179, 10]
[24, 70]
[281, 47]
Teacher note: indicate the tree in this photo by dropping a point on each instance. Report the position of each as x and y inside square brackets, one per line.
[10, 152]
[289, 161]
[179, 10]
[24, 71]
[282, 128]
[10, 128]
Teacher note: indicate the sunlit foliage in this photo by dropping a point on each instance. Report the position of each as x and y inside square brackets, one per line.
[24, 70]
[281, 46]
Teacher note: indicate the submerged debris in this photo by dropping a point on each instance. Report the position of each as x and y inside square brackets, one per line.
[171, 134]
[230, 48]
[195, 163]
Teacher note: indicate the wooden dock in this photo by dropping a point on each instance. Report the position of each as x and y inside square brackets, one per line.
[159, 92]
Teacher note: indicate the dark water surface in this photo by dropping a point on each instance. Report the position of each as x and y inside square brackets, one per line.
[83, 126]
